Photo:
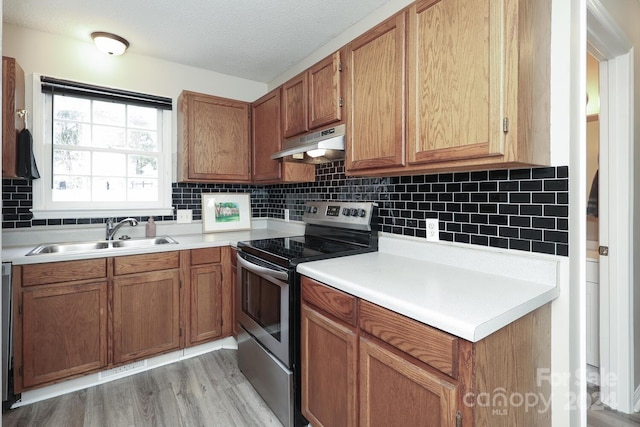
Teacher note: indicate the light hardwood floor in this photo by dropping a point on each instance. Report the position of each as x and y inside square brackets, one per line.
[599, 415]
[207, 390]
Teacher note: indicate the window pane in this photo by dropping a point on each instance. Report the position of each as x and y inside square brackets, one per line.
[143, 140]
[70, 108]
[109, 189]
[109, 113]
[68, 188]
[108, 137]
[146, 166]
[71, 133]
[142, 117]
[143, 189]
[109, 164]
[71, 162]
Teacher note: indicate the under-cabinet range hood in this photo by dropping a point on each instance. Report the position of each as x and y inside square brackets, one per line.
[322, 146]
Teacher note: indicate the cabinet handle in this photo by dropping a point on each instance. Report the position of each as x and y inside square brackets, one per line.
[458, 419]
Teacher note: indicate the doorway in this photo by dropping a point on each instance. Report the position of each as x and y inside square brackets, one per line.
[609, 45]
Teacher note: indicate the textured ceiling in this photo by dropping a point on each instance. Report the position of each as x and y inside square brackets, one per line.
[253, 39]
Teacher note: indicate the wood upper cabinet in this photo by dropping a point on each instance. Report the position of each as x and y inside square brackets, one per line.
[146, 306]
[295, 105]
[213, 139]
[267, 139]
[60, 328]
[375, 93]
[13, 97]
[313, 98]
[325, 91]
[455, 80]
[477, 84]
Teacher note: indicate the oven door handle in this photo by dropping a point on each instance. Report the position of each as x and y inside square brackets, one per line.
[280, 275]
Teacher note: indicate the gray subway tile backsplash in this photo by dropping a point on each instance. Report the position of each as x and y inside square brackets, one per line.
[520, 209]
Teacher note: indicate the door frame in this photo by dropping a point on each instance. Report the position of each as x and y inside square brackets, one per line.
[608, 43]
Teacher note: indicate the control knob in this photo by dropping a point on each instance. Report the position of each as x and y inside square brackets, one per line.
[353, 212]
[361, 213]
[346, 211]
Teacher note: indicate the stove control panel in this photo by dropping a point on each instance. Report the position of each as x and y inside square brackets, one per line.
[354, 215]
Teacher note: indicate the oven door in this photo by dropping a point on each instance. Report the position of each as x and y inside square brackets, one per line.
[263, 304]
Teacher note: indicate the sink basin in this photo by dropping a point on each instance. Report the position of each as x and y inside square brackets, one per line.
[141, 243]
[72, 247]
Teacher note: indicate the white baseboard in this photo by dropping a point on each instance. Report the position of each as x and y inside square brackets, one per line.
[90, 380]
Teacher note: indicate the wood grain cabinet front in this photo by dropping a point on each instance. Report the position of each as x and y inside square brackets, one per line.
[213, 139]
[267, 138]
[13, 100]
[60, 323]
[476, 77]
[313, 98]
[365, 365]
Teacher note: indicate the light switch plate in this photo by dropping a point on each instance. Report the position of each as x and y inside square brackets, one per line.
[433, 230]
[184, 216]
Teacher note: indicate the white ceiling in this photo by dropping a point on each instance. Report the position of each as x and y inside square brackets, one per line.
[252, 39]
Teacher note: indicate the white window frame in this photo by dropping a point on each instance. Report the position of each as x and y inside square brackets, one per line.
[44, 208]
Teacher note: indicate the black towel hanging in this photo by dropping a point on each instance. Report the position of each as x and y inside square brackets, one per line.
[26, 162]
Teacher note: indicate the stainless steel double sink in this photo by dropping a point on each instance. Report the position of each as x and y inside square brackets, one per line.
[72, 247]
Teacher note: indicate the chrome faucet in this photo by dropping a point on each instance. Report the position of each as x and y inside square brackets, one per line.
[112, 228]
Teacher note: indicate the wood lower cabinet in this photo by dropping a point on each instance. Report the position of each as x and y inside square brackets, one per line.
[329, 370]
[76, 317]
[365, 365]
[60, 324]
[146, 314]
[205, 299]
[213, 139]
[64, 330]
[417, 398]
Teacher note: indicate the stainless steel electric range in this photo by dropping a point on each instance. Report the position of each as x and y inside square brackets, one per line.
[269, 300]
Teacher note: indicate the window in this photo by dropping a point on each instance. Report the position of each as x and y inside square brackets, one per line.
[109, 151]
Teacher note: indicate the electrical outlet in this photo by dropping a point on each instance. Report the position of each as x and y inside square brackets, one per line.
[433, 230]
[286, 215]
[184, 216]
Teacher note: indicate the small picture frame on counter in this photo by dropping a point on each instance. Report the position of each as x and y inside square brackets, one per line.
[225, 212]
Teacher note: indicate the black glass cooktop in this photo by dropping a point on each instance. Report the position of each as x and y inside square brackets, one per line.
[290, 251]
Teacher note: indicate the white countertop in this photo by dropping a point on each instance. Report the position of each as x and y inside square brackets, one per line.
[186, 238]
[467, 292]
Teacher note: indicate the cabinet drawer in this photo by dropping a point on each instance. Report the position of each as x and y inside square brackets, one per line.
[144, 263]
[341, 305]
[66, 271]
[205, 256]
[427, 344]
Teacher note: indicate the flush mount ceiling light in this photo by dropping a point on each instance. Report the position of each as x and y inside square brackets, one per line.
[109, 43]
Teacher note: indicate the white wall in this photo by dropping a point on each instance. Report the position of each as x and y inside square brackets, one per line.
[626, 13]
[71, 59]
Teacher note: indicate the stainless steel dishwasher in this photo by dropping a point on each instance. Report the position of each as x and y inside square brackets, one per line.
[7, 336]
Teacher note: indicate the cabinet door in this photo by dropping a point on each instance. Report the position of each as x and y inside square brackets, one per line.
[64, 331]
[325, 92]
[329, 370]
[455, 54]
[267, 136]
[391, 387]
[146, 314]
[13, 98]
[376, 97]
[215, 139]
[206, 303]
[294, 106]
